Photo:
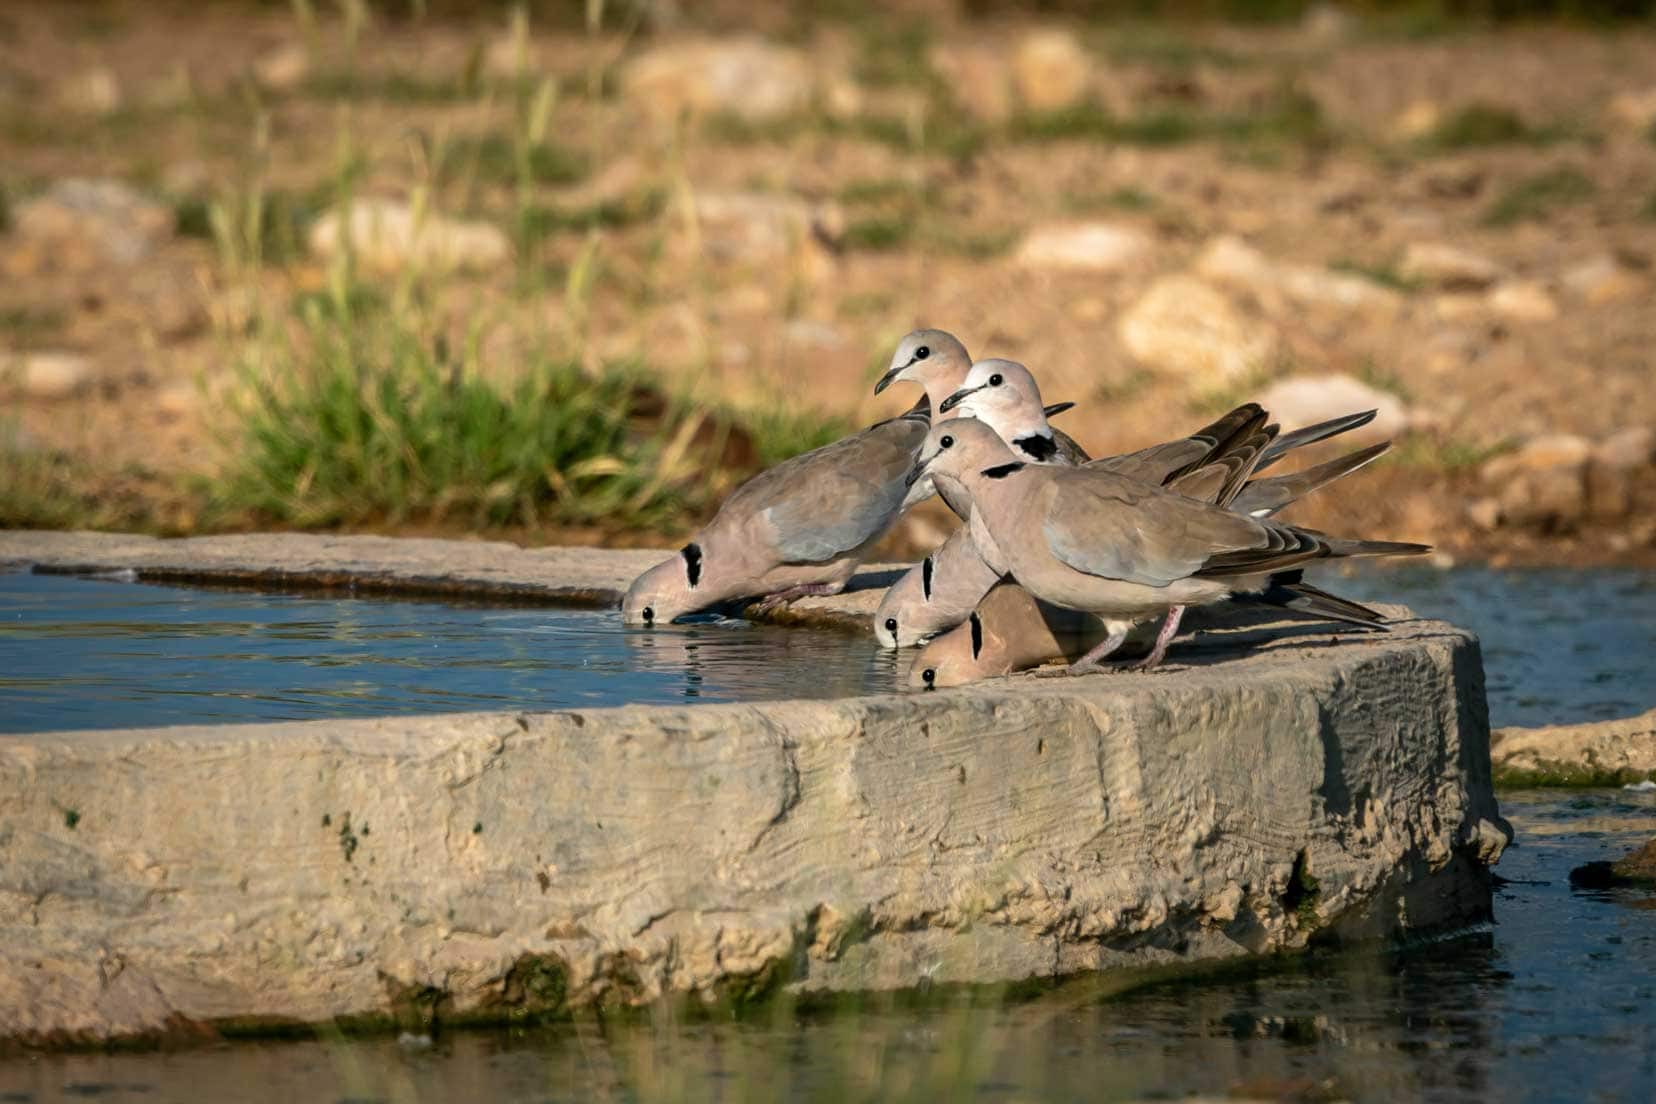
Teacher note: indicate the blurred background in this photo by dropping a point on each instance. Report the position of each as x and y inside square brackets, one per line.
[569, 271]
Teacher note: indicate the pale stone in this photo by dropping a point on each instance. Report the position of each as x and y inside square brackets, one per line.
[1416, 121]
[284, 68]
[1459, 306]
[1485, 513]
[1523, 301]
[1447, 266]
[1184, 327]
[388, 234]
[94, 92]
[1543, 483]
[1635, 109]
[1084, 247]
[760, 226]
[1632, 447]
[1617, 472]
[1279, 285]
[1050, 70]
[1306, 400]
[490, 865]
[46, 375]
[746, 77]
[1327, 24]
[82, 222]
[978, 78]
[1603, 279]
[1604, 753]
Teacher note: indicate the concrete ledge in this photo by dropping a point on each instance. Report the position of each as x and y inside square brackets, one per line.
[1604, 753]
[1285, 788]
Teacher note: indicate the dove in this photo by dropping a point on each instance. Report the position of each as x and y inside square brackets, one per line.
[798, 528]
[1004, 396]
[1094, 540]
[939, 592]
[1010, 631]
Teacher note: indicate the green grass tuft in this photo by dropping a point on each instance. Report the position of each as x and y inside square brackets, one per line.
[1480, 125]
[364, 419]
[1537, 196]
[1118, 199]
[1287, 115]
[26, 327]
[537, 221]
[878, 233]
[1386, 275]
[494, 158]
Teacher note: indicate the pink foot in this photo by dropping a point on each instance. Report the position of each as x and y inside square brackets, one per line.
[1169, 629]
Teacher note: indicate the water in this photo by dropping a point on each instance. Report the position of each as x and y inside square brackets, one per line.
[78, 652]
[1560, 645]
[1556, 1001]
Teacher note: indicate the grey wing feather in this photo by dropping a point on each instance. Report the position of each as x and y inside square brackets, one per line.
[831, 500]
[1116, 529]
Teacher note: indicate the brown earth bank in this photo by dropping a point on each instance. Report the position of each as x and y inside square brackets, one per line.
[1160, 219]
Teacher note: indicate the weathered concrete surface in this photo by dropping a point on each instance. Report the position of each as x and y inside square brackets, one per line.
[1277, 787]
[400, 565]
[1604, 753]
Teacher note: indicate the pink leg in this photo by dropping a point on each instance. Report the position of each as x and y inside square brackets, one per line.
[804, 590]
[1089, 662]
[1169, 629]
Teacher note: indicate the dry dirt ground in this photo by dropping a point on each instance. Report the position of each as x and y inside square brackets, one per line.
[775, 261]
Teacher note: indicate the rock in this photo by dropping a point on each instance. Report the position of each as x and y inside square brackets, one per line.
[387, 235]
[93, 92]
[1603, 279]
[1084, 247]
[1306, 400]
[1446, 266]
[978, 79]
[1543, 484]
[1184, 327]
[1326, 24]
[494, 866]
[745, 77]
[1050, 71]
[84, 223]
[1523, 301]
[1485, 513]
[1229, 260]
[1604, 753]
[283, 69]
[1416, 121]
[760, 226]
[1617, 470]
[46, 375]
[1635, 110]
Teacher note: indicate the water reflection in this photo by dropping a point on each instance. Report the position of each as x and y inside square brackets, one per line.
[78, 652]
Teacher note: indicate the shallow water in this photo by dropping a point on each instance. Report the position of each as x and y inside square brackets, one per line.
[78, 652]
[1560, 646]
[1555, 1001]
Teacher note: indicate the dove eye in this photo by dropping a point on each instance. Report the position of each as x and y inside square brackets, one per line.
[649, 614]
[922, 353]
[891, 625]
[946, 442]
[995, 380]
[929, 675]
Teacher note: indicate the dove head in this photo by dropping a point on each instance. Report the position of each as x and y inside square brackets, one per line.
[1004, 396]
[667, 590]
[935, 359]
[955, 658]
[897, 621]
[959, 448]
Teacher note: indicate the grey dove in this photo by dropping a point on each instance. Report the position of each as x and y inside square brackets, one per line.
[1008, 631]
[942, 590]
[1095, 540]
[796, 529]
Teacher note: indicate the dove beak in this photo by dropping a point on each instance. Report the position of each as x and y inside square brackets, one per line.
[956, 399]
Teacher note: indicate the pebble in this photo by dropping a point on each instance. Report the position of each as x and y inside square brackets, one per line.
[1305, 400]
[745, 77]
[48, 375]
[1543, 483]
[978, 78]
[1602, 279]
[1635, 110]
[1416, 121]
[1278, 285]
[284, 68]
[1050, 71]
[83, 222]
[1084, 247]
[1523, 301]
[386, 235]
[1184, 327]
[93, 92]
[1447, 266]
